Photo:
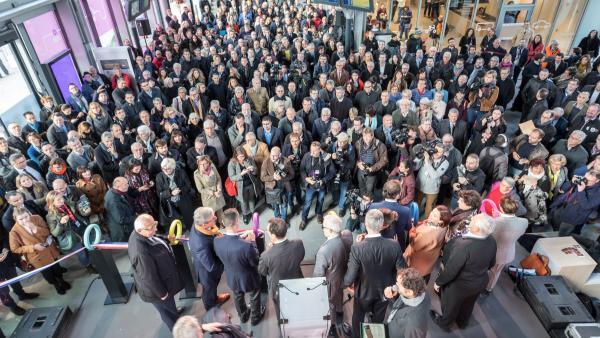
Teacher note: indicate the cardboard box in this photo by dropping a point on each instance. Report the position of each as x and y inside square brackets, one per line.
[567, 259]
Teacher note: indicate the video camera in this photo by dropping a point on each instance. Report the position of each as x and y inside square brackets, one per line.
[429, 147]
[577, 180]
[399, 136]
[280, 169]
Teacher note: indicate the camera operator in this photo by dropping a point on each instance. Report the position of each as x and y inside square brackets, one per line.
[372, 157]
[493, 120]
[454, 158]
[432, 166]
[344, 160]
[294, 152]
[316, 170]
[276, 174]
[483, 96]
[469, 177]
[387, 135]
[572, 209]
[358, 204]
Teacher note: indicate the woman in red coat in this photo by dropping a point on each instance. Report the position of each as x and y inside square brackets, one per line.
[535, 46]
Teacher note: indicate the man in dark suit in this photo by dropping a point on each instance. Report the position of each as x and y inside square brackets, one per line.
[16, 200]
[107, 157]
[154, 269]
[594, 91]
[119, 211]
[391, 194]
[34, 126]
[268, 134]
[467, 260]
[162, 152]
[519, 56]
[282, 260]
[557, 67]
[372, 266]
[132, 109]
[455, 127]
[239, 255]
[331, 262]
[17, 138]
[57, 132]
[20, 166]
[148, 94]
[207, 265]
[567, 94]
[200, 148]
[137, 154]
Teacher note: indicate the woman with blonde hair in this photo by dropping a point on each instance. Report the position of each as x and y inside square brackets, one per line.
[99, 120]
[195, 77]
[583, 67]
[31, 189]
[66, 225]
[31, 238]
[209, 185]
[558, 175]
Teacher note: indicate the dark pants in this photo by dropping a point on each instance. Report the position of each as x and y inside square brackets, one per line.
[308, 198]
[209, 293]
[361, 307]
[516, 73]
[240, 303]
[366, 183]
[17, 288]
[168, 311]
[457, 304]
[53, 275]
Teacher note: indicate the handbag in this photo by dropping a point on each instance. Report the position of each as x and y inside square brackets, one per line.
[230, 187]
[66, 240]
[24, 265]
[273, 196]
[537, 262]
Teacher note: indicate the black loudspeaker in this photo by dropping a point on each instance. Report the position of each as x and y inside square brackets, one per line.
[553, 302]
[339, 19]
[44, 322]
[143, 27]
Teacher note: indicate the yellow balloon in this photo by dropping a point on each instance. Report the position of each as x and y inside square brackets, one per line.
[175, 232]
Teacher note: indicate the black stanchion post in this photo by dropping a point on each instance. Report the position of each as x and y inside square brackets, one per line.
[118, 292]
[185, 273]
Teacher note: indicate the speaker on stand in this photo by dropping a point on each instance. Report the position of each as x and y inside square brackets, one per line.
[143, 28]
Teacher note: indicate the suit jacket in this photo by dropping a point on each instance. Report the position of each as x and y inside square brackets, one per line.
[192, 154]
[341, 80]
[402, 223]
[240, 259]
[207, 265]
[372, 266]
[467, 261]
[146, 99]
[520, 59]
[557, 70]
[506, 233]
[276, 137]
[86, 160]
[119, 215]
[282, 261]
[109, 166]
[154, 268]
[331, 262]
[460, 132]
[58, 137]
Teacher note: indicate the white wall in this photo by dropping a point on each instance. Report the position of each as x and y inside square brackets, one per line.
[589, 21]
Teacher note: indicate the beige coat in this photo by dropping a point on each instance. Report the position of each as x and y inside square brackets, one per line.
[207, 185]
[22, 242]
[425, 244]
[259, 99]
[262, 153]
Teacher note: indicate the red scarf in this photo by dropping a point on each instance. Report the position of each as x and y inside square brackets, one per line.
[67, 210]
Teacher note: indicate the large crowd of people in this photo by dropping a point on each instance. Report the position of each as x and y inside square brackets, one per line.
[254, 106]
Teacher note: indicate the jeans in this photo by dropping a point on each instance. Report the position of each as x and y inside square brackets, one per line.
[339, 194]
[308, 198]
[404, 30]
[280, 209]
[472, 115]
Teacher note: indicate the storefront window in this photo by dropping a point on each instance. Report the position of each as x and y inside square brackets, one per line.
[16, 96]
[101, 18]
[46, 36]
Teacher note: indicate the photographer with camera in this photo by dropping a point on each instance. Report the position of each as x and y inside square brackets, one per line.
[372, 157]
[316, 170]
[572, 209]
[393, 140]
[344, 160]
[358, 204]
[483, 96]
[493, 120]
[276, 174]
[294, 152]
[432, 164]
[469, 177]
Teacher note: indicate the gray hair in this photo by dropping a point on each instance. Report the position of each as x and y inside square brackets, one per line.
[485, 223]
[298, 124]
[202, 215]
[168, 163]
[209, 123]
[107, 136]
[509, 181]
[326, 111]
[343, 137]
[142, 221]
[186, 327]
[337, 123]
[579, 134]
[143, 129]
[333, 223]
[374, 220]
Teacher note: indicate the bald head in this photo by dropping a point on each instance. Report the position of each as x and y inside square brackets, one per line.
[120, 184]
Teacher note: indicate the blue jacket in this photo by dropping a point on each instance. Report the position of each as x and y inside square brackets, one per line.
[240, 258]
[580, 204]
[402, 224]
[206, 263]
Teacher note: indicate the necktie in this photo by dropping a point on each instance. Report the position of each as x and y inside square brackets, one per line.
[451, 128]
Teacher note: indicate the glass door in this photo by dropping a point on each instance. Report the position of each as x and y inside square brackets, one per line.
[16, 95]
[516, 23]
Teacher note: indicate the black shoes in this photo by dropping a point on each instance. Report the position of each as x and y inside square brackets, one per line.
[247, 219]
[259, 317]
[91, 270]
[436, 318]
[60, 289]
[302, 225]
[17, 310]
[30, 295]
[62, 269]
[320, 219]
[180, 310]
